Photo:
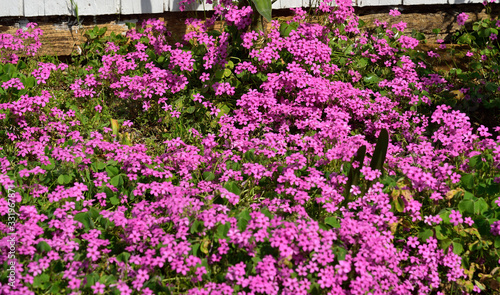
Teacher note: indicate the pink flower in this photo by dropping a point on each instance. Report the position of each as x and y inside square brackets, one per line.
[98, 288]
[24, 173]
[74, 283]
[394, 12]
[98, 108]
[205, 77]
[456, 217]
[462, 18]
[495, 228]
[413, 242]
[469, 221]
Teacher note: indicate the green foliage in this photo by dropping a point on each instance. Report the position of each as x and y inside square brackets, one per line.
[354, 173]
[264, 8]
[10, 71]
[380, 151]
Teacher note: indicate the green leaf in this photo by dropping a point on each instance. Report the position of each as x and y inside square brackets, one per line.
[466, 38]
[491, 87]
[467, 180]
[424, 235]
[399, 204]
[468, 196]
[261, 76]
[64, 179]
[195, 248]
[419, 36]
[480, 206]
[39, 280]
[43, 246]
[340, 252]
[117, 181]
[353, 177]
[466, 206]
[286, 29]
[91, 279]
[457, 248]
[444, 244]
[362, 63]
[264, 7]
[332, 221]
[191, 109]
[266, 212]
[218, 75]
[123, 257]
[102, 31]
[232, 187]
[439, 233]
[49, 167]
[371, 79]
[115, 126]
[29, 82]
[484, 33]
[445, 215]
[474, 160]
[243, 219]
[196, 227]
[224, 109]
[114, 200]
[205, 244]
[55, 289]
[112, 171]
[250, 155]
[222, 230]
[380, 151]
[94, 213]
[480, 285]
[84, 219]
[497, 242]
[208, 176]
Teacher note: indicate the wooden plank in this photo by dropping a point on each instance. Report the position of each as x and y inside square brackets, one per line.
[57, 7]
[380, 2]
[289, 4]
[59, 39]
[95, 7]
[424, 2]
[141, 6]
[11, 8]
[173, 6]
[277, 4]
[33, 8]
[464, 1]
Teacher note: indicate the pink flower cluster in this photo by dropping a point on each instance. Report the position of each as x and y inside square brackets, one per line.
[236, 204]
[24, 42]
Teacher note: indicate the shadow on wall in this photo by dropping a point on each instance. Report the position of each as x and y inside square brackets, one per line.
[146, 6]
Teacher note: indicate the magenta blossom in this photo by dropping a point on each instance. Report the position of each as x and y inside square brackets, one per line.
[462, 18]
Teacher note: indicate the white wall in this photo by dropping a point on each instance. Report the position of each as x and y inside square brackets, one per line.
[31, 8]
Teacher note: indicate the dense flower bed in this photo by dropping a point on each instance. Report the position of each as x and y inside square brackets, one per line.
[308, 159]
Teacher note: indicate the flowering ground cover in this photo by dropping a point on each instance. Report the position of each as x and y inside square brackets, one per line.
[317, 157]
